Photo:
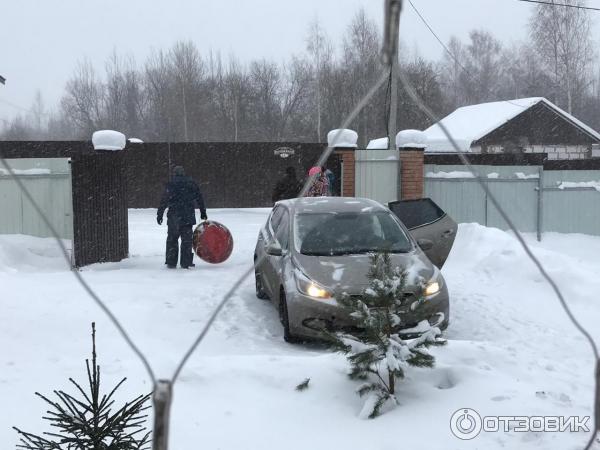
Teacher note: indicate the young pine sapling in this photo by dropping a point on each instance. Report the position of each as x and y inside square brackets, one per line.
[378, 351]
[87, 421]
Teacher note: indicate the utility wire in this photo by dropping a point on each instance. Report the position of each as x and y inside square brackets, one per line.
[447, 50]
[410, 90]
[22, 108]
[566, 5]
[322, 159]
[76, 273]
[112, 317]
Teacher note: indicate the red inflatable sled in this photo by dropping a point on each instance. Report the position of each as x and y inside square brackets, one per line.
[212, 242]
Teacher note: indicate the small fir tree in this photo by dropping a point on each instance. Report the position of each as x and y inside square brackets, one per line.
[87, 421]
[378, 353]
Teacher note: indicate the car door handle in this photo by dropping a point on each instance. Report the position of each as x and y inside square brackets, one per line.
[448, 233]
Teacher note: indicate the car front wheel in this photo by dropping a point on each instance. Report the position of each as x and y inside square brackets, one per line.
[285, 319]
[260, 290]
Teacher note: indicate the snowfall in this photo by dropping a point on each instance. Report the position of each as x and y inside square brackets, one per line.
[511, 350]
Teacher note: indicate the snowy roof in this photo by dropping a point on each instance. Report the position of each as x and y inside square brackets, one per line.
[470, 123]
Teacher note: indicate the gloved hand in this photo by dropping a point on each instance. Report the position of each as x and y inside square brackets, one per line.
[203, 217]
[159, 220]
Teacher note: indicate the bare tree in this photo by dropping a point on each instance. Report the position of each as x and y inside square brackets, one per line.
[481, 81]
[265, 81]
[181, 94]
[157, 87]
[187, 72]
[320, 50]
[361, 65]
[82, 102]
[295, 92]
[562, 36]
[452, 72]
[236, 97]
[39, 115]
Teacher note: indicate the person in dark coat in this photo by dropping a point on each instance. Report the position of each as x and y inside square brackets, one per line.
[288, 187]
[182, 195]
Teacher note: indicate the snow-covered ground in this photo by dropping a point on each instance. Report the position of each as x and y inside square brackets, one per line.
[511, 350]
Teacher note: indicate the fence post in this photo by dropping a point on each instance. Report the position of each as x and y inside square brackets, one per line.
[540, 203]
[162, 409]
[485, 204]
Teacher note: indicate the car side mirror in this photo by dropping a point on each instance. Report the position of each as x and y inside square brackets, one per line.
[274, 249]
[425, 244]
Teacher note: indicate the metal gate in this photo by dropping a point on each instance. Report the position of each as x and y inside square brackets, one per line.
[376, 174]
[48, 180]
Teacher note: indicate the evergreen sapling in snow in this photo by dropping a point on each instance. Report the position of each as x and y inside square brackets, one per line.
[379, 353]
[87, 421]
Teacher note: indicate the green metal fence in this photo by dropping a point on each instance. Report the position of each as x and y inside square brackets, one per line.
[538, 200]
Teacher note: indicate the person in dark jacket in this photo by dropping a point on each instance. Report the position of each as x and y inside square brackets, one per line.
[182, 195]
[288, 187]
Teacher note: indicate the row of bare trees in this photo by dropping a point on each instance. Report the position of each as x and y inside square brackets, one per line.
[182, 95]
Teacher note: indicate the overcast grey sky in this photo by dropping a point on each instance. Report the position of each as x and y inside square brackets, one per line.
[41, 40]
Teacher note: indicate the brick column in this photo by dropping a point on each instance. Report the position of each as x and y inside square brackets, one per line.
[411, 173]
[347, 156]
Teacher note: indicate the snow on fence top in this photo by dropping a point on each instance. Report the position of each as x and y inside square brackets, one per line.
[108, 140]
[26, 172]
[452, 174]
[404, 139]
[346, 139]
[411, 139]
[378, 144]
[579, 184]
[135, 141]
[470, 123]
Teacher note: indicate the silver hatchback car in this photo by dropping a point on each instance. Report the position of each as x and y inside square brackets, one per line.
[312, 249]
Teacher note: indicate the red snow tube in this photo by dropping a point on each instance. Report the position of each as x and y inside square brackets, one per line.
[213, 242]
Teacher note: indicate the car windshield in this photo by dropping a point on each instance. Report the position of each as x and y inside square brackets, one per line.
[323, 234]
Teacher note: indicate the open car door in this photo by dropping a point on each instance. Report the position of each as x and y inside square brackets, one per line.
[426, 220]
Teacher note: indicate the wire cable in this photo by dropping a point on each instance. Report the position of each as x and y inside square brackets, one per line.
[22, 108]
[410, 90]
[452, 55]
[565, 5]
[76, 273]
[322, 159]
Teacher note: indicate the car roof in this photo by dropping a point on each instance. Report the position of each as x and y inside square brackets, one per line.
[331, 204]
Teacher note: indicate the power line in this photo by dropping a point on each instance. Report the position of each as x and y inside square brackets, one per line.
[452, 55]
[322, 159]
[437, 37]
[76, 273]
[410, 90]
[22, 108]
[566, 5]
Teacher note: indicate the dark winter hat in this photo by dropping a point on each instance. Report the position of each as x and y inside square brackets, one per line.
[178, 170]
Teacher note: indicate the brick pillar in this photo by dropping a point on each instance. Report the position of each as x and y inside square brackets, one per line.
[347, 156]
[411, 173]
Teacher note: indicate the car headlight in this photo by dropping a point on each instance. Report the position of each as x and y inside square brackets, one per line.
[310, 288]
[434, 285]
[432, 288]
